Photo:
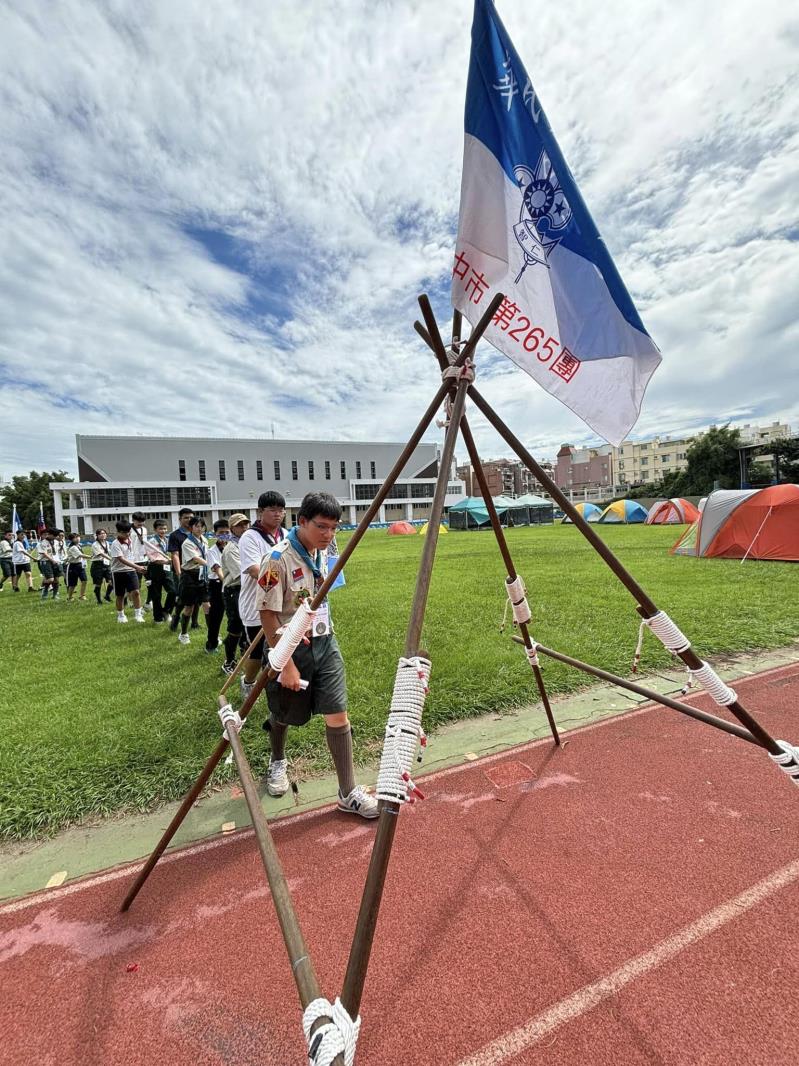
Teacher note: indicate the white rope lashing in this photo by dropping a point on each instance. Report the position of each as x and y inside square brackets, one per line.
[336, 1037]
[713, 685]
[669, 634]
[293, 632]
[459, 372]
[788, 760]
[517, 595]
[532, 654]
[404, 732]
[230, 718]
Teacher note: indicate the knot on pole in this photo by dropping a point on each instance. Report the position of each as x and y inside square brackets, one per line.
[713, 685]
[669, 635]
[404, 733]
[459, 373]
[532, 654]
[301, 621]
[336, 1037]
[230, 719]
[517, 598]
[788, 760]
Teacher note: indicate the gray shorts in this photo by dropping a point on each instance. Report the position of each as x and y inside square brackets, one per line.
[321, 664]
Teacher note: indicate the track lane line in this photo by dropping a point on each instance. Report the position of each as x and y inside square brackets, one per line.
[589, 996]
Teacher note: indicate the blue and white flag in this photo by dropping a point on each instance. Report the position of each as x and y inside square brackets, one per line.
[16, 521]
[524, 230]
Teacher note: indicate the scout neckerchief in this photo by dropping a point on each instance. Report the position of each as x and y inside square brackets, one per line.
[271, 538]
[302, 551]
[201, 545]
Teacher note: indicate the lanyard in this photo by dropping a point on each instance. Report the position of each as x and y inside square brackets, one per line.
[271, 538]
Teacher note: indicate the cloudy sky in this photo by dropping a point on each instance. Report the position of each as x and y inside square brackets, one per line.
[216, 217]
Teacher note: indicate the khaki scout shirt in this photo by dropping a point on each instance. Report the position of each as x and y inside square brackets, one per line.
[284, 581]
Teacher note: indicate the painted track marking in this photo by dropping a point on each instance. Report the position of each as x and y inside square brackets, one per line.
[586, 998]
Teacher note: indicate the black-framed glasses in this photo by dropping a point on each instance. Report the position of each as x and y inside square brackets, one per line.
[332, 530]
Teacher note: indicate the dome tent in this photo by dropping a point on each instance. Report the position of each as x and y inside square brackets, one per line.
[589, 511]
[423, 529]
[746, 524]
[623, 511]
[674, 512]
[399, 529]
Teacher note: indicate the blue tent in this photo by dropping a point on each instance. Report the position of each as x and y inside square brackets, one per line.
[626, 511]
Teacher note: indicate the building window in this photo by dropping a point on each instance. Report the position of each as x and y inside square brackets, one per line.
[357, 469]
[152, 498]
[107, 498]
[277, 470]
[201, 469]
[181, 469]
[343, 470]
[372, 468]
[294, 474]
[419, 492]
[366, 492]
[259, 469]
[222, 470]
[192, 497]
[310, 469]
[240, 468]
[398, 492]
[327, 470]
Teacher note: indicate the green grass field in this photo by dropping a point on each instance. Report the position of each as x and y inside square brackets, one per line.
[99, 718]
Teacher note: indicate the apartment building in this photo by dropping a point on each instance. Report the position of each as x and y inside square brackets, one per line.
[505, 477]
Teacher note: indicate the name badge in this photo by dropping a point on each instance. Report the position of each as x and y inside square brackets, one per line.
[321, 627]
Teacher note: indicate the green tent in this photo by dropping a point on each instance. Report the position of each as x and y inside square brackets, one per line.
[471, 513]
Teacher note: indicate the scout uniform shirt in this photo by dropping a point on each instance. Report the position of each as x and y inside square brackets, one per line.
[287, 578]
[75, 556]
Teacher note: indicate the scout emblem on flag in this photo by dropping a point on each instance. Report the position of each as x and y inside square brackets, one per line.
[524, 230]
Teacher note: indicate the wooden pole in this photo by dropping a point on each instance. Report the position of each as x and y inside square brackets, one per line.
[263, 677]
[499, 533]
[387, 823]
[646, 608]
[650, 694]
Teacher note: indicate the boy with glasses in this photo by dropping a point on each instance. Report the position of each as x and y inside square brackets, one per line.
[254, 545]
[292, 572]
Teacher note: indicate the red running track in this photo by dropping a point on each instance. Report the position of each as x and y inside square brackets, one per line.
[631, 898]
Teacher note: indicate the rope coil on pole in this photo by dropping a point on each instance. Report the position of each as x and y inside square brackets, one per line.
[667, 632]
[404, 731]
[230, 718]
[301, 621]
[517, 594]
[337, 1037]
[713, 685]
[788, 760]
[532, 654]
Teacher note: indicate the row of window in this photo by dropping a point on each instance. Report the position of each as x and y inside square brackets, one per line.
[259, 470]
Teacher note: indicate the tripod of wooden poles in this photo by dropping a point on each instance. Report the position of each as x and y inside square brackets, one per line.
[455, 363]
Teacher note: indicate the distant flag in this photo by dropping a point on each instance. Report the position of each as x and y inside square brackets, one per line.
[41, 525]
[16, 521]
[524, 230]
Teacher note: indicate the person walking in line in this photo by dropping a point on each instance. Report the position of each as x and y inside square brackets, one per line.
[44, 553]
[194, 576]
[100, 566]
[174, 545]
[231, 589]
[138, 539]
[216, 609]
[125, 572]
[7, 559]
[292, 572]
[75, 568]
[254, 545]
[162, 580]
[59, 552]
[22, 559]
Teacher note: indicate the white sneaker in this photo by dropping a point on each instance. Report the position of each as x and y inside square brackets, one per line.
[277, 778]
[360, 802]
[148, 607]
[138, 616]
[121, 616]
[184, 638]
[245, 686]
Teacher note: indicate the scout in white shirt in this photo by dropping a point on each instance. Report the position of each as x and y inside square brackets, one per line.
[44, 551]
[216, 610]
[194, 576]
[254, 545]
[6, 559]
[125, 572]
[22, 559]
[231, 590]
[100, 567]
[76, 567]
[162, 580]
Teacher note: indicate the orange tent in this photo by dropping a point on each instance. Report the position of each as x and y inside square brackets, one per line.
[672, 512]
[746, 524]
[401, 528]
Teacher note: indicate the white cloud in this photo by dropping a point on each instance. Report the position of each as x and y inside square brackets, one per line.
[325, 141]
